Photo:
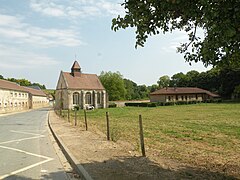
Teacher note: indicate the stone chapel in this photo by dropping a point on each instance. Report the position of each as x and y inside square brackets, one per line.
[77, 89]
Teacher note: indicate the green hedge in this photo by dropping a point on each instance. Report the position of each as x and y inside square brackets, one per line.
[155, 104]
[142, 104]
[112, 105]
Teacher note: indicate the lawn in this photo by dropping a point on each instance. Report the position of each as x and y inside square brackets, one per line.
[206, 135]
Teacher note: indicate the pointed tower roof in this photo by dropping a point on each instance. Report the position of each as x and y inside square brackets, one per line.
[76, 69]
[76, 65]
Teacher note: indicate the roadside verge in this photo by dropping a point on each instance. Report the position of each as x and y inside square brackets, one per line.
[72, 160]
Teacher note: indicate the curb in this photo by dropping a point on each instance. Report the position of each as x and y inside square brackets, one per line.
[71, 159]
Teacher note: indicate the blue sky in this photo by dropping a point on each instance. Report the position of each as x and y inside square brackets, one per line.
[39, 38]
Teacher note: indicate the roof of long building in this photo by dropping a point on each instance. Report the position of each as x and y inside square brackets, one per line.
[4, 84]
[182, 90]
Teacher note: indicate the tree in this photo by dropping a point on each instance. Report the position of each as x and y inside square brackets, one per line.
[229, 79]
[143, 92]
[153, 87]
[131, 90]
[219, 19]
[163, 81]
[114, 84]
[191, 78]
[178, 80]
[1, 77]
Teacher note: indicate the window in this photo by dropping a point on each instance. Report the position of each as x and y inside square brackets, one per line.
[11, 94]
[185, 97]
[88, 99]
[75, 98]
[196, 96]
[169, 98]
[98, 98]
[15, 94]
[177, 97]
[19, 94]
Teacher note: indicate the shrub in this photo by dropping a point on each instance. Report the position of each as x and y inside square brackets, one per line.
[76, 107]
[112, 105]
[142, 104]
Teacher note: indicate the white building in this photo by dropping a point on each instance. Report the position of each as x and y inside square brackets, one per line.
[14, 97]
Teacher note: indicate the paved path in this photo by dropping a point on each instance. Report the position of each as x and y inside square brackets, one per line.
[26, 151]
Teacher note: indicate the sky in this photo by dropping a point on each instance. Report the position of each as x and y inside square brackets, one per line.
[40, 38]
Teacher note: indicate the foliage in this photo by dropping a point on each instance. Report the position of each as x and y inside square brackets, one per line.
[219, 80]
[24, 82]
[153, 88]
[131, 90]
[164, 81]
[114, 84]
[50, 91]
[219, 19]
[142, 104]
[112, 105]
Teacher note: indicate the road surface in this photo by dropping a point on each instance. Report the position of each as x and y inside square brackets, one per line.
[26, 151]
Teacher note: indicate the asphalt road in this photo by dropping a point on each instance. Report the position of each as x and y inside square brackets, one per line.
[26, 151]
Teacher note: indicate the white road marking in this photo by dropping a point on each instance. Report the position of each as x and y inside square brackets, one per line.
[44, 171]
[21, 132]
[23, 139]
[25, 168]
[47, 159]
[25, 152]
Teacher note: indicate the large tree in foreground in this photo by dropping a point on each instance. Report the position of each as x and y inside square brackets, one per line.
[220, 20]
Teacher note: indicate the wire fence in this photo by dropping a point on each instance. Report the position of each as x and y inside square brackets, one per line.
[116, 126]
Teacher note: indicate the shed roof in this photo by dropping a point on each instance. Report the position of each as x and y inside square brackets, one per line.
[182, 90]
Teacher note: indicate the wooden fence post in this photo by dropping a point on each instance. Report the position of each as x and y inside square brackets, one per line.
[75, 117]
[85, 117]
[68, 115]
[108, 132]
[141, 136]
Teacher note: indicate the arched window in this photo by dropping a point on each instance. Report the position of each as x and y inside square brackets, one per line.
[76, 98]
[88, 98]
[98, 98]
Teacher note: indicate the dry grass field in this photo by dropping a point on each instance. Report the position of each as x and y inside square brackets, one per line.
[202, 135]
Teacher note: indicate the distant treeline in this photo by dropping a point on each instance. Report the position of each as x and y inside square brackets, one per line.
[225, 82]
[23, 82]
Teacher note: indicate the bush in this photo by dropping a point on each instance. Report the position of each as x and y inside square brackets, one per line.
[112, 105]
[142, 104]
[76, 107]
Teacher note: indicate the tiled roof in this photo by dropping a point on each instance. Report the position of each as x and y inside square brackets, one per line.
[84, 81]
[35, 92]
[75, 65]
[182, 90]
[4, 84]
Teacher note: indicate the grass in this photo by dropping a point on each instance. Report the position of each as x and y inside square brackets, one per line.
[199, 134]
